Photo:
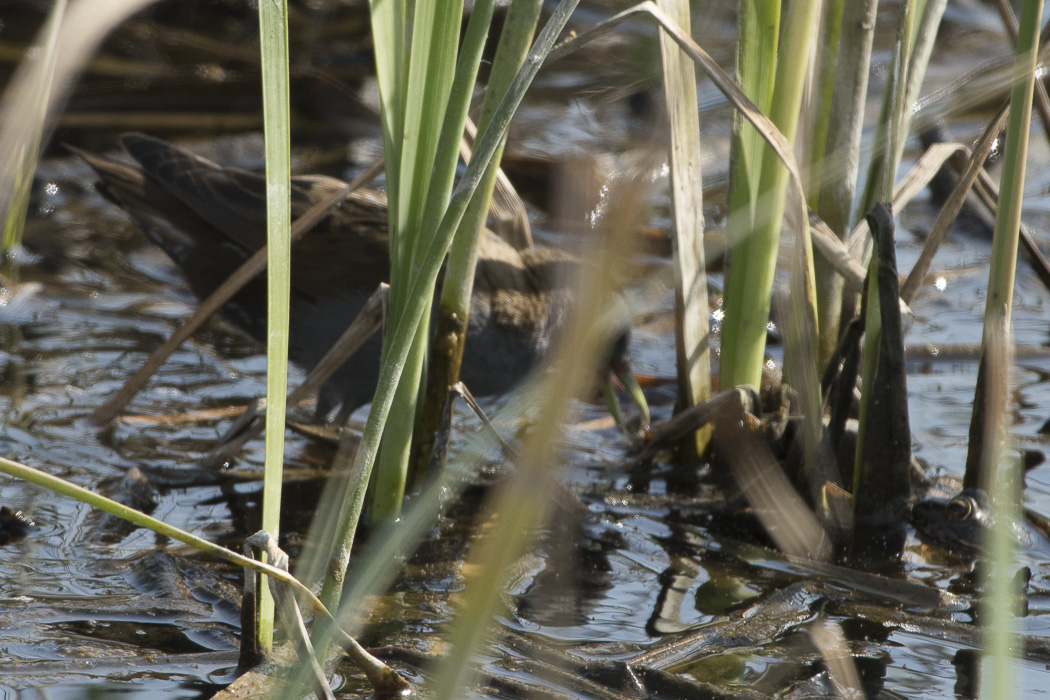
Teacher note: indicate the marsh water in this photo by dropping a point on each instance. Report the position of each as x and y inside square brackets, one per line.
[88, 608]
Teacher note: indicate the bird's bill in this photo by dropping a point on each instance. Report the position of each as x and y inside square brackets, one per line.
[624, 377]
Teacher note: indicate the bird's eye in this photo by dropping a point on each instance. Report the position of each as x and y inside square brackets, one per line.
[960, 508]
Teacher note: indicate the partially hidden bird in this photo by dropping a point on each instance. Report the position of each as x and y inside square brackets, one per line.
[209, 219]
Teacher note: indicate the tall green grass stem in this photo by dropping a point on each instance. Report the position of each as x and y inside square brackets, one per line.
[752, 262]
[1003, 263]
[454, 305]
[758, 31]
[840, 158]
[819, 112]
[518, 31]
[815, 146]
[430, 73]
[388, 39]
[1001, 609]
[1015, 153]
[463, 85]
[62, 487]
[908, 68]
[910, 56]
[405, 326]
[273, 47]
[1002, 477]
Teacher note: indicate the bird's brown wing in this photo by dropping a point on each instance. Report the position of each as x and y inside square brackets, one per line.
[349, 247]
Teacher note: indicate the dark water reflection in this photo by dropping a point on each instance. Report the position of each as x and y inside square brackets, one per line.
[142, 616]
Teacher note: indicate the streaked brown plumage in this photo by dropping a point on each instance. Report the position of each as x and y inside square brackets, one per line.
[209, 219]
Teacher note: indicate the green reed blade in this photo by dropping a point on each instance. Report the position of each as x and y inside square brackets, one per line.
[273, 49]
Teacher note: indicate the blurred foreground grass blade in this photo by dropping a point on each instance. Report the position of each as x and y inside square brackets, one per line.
[404, 328]
[692, 331]
[34, 112]
[273, 48]
[42, 87]
[521, 503]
